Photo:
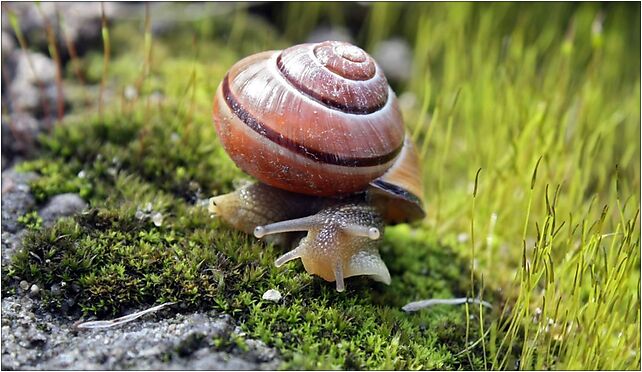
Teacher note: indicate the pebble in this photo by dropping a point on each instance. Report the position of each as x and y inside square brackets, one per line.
[272, 295]
[61, 206]
[34, 289]
[130, 93]
[139, 215]
[24, 284]
[157, 219]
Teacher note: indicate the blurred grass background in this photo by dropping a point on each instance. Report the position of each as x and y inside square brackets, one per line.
[528, 119]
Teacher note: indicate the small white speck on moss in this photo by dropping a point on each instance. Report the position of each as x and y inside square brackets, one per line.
[157, 219]
[25, 285]
[272, 295]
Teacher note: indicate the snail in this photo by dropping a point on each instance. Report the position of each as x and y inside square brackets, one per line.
[321, 129]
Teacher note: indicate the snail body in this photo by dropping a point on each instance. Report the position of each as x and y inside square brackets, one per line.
[320, 128]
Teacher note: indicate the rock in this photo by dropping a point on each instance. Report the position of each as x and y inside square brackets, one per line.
[34, 290]
[33, 86]
[157, 219]
[329, 33]
[62, 205]
[35, 340]
[11, 243]
[16, 198]
[395, 58]
[23, 97]
[44, 68]
[261, 351]
[8, 43]
[206, 360]
[82, 21]
[56, 290]
[19, 134]
[272, 295]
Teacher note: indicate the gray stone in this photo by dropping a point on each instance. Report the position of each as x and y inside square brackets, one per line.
[35, 340]
[82, 20]
[34, 290]
[395, 58]
[272, 295]
[24, 96]
[32, 88]
[16, 198]
[62, 205]
[19, 134]
[33, 67]
[11, 243]
[8, 43]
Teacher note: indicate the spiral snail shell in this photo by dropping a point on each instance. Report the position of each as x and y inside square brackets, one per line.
[317, 119]
[321, 129]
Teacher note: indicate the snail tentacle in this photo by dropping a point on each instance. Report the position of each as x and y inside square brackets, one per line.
[338, 274]
[299, 224]
[312, 222]
[287, 257]
[369, 232]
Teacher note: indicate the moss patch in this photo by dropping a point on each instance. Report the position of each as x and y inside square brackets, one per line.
[114, 257]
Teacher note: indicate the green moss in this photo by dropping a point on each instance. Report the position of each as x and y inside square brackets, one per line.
[31, 220]
[110, 258]
[57, 178]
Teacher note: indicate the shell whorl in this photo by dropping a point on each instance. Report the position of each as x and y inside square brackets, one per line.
[340, 75]
[317, 119]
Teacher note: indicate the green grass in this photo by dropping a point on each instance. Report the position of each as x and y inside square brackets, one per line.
[528, 119]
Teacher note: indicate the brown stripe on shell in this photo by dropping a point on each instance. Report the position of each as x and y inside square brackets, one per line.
[323, 157]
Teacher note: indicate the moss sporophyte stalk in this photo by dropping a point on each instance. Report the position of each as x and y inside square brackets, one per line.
[508, 89]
